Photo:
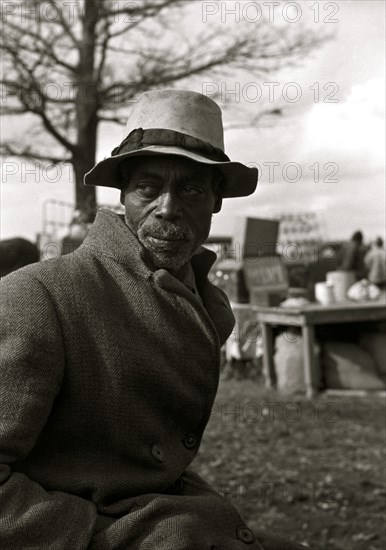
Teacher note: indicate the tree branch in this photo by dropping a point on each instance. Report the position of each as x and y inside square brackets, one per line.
[54, 132]
[8, 150]
[104, 48]
[34, 107]
[117, 119]
[63, 23]
[145, 10]
[40, 45]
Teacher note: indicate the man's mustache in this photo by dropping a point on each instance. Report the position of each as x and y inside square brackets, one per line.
[165, 230]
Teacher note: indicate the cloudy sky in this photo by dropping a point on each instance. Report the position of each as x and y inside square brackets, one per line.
[325, 154]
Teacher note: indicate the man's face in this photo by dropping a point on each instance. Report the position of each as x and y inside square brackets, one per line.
[169, 202]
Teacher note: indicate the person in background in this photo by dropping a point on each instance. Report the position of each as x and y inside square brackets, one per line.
[375, 262]
[16, 253]
[352, 256]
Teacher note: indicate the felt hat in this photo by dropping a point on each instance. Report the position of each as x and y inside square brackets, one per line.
[176, 122]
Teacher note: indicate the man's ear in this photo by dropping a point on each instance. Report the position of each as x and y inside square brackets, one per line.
[217, 203]
[218, 186]
[123, 175]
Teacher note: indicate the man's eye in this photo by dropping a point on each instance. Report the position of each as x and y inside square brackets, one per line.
[191, 191]
[147, 189]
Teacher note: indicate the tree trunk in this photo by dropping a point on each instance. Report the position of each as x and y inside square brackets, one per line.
[87, 105]
[85, 196]
[83, 160]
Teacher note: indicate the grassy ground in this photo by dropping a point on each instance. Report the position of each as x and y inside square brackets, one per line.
[313, 472]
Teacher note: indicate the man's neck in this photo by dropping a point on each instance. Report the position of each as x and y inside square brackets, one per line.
[180, 273]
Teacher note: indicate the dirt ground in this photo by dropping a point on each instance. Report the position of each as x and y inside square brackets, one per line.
[312, 471]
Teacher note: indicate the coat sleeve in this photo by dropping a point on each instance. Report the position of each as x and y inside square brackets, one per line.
[31, 370]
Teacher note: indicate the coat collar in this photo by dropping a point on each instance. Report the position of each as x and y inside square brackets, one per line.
[111, 236]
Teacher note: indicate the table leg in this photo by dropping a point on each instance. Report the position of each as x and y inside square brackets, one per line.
[310, 374]
[268, 366]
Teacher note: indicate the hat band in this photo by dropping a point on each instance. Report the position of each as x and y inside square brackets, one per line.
[140, 139]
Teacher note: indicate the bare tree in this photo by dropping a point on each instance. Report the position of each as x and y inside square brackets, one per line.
[76, 64]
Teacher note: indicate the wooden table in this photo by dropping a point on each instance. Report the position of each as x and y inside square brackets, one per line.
[306, 317]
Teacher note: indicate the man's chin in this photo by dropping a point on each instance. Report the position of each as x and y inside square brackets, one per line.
[168, 261]
[170, 256]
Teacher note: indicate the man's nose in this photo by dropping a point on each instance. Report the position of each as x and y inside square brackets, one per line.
[168, 207]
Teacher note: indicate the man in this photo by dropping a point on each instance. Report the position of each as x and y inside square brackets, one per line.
[111, 354]
[375, 261]
[352, 256]
[16, 253]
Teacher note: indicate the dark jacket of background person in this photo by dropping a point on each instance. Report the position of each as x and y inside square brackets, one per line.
[16, 253]
[352, 256]
[375, 261]
[108, 376]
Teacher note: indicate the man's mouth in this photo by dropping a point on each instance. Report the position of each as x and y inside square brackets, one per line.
[172, 237]
[165, 239]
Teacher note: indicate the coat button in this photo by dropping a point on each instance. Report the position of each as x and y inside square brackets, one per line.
[190, 441]
[157, 453]
[245, 534]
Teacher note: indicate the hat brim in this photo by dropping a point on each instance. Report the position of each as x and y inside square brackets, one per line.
[240, 180]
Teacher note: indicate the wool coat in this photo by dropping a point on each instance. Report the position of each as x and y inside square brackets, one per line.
[108, 374]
